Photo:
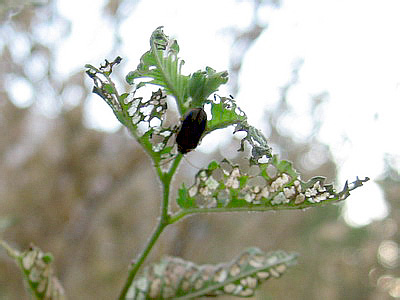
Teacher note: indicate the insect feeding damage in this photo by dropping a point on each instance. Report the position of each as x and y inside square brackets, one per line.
[191, 130]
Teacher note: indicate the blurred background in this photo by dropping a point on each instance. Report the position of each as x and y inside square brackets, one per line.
[320, 78]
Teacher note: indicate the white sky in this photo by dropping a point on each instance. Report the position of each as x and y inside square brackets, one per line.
[350, 50]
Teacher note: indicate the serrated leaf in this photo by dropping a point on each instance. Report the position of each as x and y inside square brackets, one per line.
[203, 83]
[224, 112]
[145, 117]
[175, 278]
[275, 185]
[37, 272]
[162, 65]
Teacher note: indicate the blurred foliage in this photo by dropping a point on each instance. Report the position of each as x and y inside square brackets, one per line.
[89, 197]
[37, 270]
[175, 278]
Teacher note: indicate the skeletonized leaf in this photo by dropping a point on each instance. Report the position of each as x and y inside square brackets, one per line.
[37, 272]
[175, 278]
[224, 113]
[145, 117]
[105, 87]
[265, 186]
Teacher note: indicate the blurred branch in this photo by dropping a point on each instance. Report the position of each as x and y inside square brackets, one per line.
[244, 39]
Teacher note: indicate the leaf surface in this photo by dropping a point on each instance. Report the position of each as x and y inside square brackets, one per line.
[175, 278]
[265, 186]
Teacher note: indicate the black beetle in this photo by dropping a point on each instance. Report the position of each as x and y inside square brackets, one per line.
[191, 130]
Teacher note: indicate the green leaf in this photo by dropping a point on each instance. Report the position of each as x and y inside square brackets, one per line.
[224, 112]
[162, 65]
[203, 83]
[145, 117]
[184, 200]
[109, 88]
[175, 278]
[213, 165]
[272, 186]
[37, 272]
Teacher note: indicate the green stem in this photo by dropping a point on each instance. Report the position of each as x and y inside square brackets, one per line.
[156, 234]
[163, 222]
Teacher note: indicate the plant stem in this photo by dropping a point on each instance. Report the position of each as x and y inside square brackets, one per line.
[10, 251]
[163, 222]
[156, 234]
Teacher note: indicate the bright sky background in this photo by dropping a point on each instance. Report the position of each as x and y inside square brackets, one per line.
[350, 50]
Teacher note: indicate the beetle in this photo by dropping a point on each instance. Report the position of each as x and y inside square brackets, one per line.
[190, 131]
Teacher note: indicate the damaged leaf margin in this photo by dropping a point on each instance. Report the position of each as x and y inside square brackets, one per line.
[175, 278]
[162, 65]
[37, 271]
[268, 186]
[145, 118]
[221, 187]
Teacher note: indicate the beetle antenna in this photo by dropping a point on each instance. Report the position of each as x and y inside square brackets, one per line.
[187, 160]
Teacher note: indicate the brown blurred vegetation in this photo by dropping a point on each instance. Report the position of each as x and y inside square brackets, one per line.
[91, 198]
